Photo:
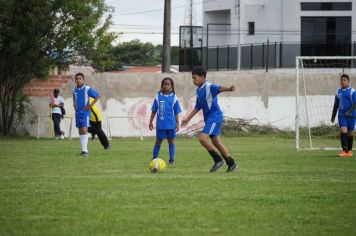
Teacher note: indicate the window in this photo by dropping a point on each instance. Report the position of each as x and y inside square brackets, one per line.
[251, 28]
[326, 36]
[326, 6]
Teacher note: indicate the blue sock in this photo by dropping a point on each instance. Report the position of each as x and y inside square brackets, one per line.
[172, 150]
[156, 149]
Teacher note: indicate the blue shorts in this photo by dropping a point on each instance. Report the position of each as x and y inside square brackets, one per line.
[212, 128]
[347, 122]
[165, 133]
[82, 122]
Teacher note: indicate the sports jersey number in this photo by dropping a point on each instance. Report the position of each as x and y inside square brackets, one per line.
[162, 109]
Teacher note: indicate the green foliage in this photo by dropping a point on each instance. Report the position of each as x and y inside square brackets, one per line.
[135, 52]
[37, 34]
[47, 190]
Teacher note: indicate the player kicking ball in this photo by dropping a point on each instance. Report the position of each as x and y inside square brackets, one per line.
[207, 100]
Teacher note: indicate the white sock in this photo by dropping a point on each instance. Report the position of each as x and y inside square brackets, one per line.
[84, 142]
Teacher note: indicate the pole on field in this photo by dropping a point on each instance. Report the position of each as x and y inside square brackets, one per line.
[166, 57]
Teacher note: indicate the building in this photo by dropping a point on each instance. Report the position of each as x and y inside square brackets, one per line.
[290, 28]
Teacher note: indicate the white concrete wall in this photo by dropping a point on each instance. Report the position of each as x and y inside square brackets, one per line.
[266, 98]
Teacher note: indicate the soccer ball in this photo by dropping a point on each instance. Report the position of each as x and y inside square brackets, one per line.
[157, 165]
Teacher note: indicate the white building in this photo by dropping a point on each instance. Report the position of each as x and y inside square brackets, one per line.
[303, 27]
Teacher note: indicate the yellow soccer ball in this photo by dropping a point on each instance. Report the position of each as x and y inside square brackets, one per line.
[157, 165]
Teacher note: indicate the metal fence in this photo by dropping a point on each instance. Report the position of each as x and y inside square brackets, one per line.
[258, 56]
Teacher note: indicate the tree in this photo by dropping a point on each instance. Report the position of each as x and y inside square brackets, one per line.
[135, 52]
[37, 34]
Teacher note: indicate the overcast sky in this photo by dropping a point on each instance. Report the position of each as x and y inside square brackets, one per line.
[143, 19]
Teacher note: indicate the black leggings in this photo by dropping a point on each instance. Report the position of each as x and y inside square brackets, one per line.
[95, 128]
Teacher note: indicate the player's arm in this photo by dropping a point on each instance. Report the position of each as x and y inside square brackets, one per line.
[227, 89]
[74, 102]
[88, 107]
[186, 120]
[177, 123]
[154, 110]
[93, 94]
[177, 110]
[153, 114]
[52, 104]
[92, 103]
[335, 108]
[353, 107]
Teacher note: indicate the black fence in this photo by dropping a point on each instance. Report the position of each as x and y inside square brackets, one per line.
[258, 56]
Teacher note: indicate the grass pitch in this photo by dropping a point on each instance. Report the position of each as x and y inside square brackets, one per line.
[45, 189]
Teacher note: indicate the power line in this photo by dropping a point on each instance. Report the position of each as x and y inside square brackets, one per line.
[225, 34]
[158, 10]
[138, 6]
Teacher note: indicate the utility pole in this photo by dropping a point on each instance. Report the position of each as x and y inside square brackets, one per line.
[166, 57]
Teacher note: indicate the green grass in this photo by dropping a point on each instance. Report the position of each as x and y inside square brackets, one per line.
[45, 189]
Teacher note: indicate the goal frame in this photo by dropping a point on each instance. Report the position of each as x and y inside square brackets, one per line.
[299, 76]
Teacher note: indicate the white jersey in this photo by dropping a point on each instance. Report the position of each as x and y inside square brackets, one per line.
[57, 101]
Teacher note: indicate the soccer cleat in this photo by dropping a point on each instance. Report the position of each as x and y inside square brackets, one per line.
[233, 167]
[216, 166]
[107, 147]
[171, 162]
[84, 154]
[348, 154]
[343, 154]
[62, 137]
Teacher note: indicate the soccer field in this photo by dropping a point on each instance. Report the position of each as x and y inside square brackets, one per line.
[47, 190]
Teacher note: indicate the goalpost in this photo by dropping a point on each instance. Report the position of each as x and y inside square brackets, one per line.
[317, 80]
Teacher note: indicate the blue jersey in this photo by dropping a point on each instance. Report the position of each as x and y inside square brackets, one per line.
[81, 99]
[167, 107]
[345, 98]
[208, 101]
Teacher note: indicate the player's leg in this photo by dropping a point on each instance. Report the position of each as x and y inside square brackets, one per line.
[61, 133]
[82, 125]
[101, 135]
[91, 130]
[160, 135]
[343, 136]
[56, 119]
[204, 140]
[232, 165]
[350, 136]
[171, 134]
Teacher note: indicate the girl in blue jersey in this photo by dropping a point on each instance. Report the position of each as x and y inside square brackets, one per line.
[82, 107]
[167, 108]
[207, 101]
[345, 106]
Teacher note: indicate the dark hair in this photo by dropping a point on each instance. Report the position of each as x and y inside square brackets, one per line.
[200, 71]
[345, 76]
[172, 83]
[79, 74]
[56, 90]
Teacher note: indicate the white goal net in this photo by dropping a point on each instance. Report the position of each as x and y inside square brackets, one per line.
[317, 81]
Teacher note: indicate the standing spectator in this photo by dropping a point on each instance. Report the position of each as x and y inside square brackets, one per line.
[56, 104]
